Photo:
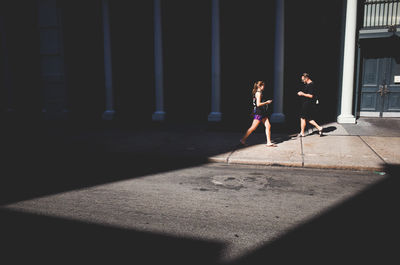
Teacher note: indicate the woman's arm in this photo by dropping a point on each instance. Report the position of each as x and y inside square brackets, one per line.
[258, 100]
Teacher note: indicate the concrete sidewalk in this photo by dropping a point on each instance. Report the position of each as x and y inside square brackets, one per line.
[363, 146]
[368, 145]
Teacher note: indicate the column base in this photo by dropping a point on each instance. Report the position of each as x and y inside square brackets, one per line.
[278, 118]
[215, 116]
[346, 119]
[158, 116]
[55, 115]
[108, 115]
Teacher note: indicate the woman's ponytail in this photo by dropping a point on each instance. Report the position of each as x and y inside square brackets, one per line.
[256, 85]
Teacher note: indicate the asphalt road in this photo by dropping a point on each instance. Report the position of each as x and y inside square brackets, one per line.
[210, 214]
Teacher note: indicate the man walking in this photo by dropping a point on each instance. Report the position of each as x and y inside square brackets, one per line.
[308, 104]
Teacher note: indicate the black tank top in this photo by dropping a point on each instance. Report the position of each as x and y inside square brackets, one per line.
[259, 110]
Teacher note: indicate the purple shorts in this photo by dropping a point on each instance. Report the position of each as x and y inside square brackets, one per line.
[258, 117]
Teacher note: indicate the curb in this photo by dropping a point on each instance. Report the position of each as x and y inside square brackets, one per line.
[298, 165]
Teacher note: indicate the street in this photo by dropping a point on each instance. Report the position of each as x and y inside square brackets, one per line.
[210, 214]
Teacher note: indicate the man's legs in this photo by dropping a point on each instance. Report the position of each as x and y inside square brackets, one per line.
[312, 122]
[302, 126]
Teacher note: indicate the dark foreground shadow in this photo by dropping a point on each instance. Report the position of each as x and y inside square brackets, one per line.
[32, 175]
[42, 163]
[33, 239]
[364, 229]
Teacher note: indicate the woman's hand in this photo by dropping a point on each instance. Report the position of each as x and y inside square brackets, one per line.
[268, 101]
[300, 93]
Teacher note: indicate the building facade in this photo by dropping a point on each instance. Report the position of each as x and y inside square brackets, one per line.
[196, 61]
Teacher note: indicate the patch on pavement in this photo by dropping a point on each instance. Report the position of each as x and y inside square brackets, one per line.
[236, 182]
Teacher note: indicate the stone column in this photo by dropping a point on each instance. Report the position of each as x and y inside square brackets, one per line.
[346, 115]
[278, 116]
[159, 114]
[109, 113]
[215, 114]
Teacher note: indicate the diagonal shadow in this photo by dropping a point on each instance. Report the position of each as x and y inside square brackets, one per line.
[35, 239]
[361, 230]
[47, 162]
[29, 174]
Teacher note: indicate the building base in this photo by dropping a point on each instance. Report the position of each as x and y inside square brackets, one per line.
[55, 115]
[108, 115]
[346, 119]
[215, 116]
[278, 118]
[158, 116]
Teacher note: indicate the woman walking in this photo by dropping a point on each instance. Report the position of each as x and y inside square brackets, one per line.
[259, 114]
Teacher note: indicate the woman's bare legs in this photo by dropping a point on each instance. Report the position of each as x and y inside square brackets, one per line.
[252, 128]
[267, 130]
